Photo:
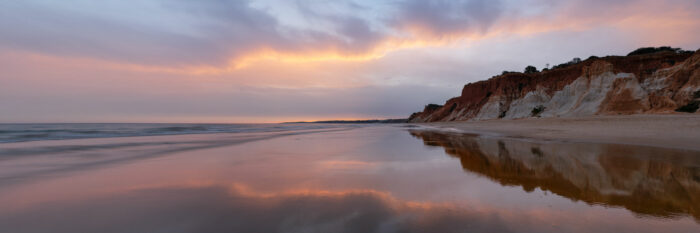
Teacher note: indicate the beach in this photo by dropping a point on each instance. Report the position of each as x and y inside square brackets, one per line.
[353, 178]
[680, 131]
[393, 116]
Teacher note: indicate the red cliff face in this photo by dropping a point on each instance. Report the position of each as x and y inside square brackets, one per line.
[648, 83]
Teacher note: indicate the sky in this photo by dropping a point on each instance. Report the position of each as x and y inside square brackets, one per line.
[255, 61]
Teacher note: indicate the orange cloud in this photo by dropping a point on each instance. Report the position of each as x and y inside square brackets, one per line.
[671, 23]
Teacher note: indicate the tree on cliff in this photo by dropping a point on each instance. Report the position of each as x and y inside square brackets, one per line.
[576, 60]
[531, 70]
[649, 50]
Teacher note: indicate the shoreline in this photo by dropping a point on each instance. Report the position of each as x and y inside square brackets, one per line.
[679, 131]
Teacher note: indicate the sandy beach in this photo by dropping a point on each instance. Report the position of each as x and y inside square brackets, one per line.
[681, 131]
[358, 178]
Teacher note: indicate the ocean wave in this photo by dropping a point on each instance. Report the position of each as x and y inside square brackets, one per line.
[38, 132]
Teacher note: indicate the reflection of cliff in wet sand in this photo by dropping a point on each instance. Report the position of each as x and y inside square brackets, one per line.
[645, 180]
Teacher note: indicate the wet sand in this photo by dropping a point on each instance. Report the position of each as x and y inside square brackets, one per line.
[680, 131]
[364, 179]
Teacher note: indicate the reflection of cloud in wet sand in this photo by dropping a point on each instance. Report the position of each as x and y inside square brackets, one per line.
[213, 208]
[220, 209]
[648, 181]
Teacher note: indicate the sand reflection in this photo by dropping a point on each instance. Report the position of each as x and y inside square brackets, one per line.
[651, 182]
[223, 209]
[371, 179]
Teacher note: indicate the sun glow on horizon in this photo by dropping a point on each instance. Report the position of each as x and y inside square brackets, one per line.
[274, 61]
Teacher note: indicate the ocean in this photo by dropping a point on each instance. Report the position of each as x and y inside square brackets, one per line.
[64, 131]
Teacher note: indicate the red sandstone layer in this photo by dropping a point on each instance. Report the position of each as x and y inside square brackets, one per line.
[649, 83]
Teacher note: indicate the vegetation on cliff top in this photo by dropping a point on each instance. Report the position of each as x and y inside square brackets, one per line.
[530, 69]
[650, 50]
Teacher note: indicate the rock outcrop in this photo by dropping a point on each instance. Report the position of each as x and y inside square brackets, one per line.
[660, 82]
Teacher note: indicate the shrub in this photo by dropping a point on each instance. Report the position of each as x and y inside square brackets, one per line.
[537, 110]
[531, 70]
[576, 60]
[690, 107]
[536, 151]
[650, 50]
[431, 107]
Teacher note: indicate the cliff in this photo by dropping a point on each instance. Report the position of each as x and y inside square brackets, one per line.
[656, 82]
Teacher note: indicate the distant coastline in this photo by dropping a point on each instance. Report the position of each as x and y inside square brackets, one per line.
[373, 121]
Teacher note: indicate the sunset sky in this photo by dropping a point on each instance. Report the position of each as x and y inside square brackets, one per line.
[288, 60]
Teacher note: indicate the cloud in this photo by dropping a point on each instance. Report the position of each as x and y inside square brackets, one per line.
[360, 58]
[83, 31]
[218, 34]
[439, 18]
[213, 36]
[212, 33]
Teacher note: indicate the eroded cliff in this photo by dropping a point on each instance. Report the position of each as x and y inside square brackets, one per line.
[660, 82]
